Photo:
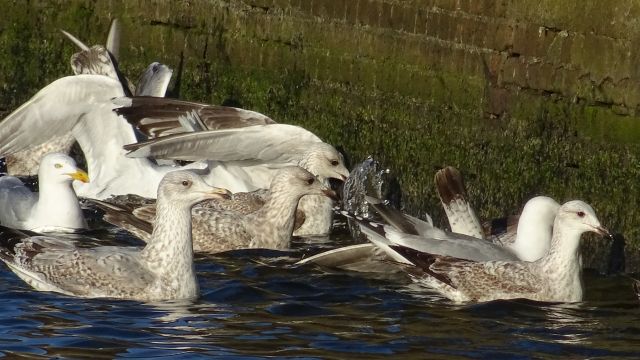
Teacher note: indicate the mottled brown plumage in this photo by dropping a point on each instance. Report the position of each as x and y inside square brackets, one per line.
[163, 270]
[554, 277]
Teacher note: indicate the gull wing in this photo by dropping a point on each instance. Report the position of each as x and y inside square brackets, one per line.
[56, 264]
[113, 39]
[156, 117]
[58, 108]
[278, 144]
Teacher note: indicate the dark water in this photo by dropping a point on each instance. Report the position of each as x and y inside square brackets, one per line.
[254, 304]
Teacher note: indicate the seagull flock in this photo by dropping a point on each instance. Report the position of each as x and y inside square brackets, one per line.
[214, 178]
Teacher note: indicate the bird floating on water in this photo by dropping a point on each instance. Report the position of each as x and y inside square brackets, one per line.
[54, 208]
[215, 230]
[162, 270]
[554, 277]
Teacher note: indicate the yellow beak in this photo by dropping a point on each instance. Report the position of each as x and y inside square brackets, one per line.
[80, 175]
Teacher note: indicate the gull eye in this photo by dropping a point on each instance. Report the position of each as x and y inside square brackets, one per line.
[186, 183]
[310, 181]
[335, 162]
[57, 166]
[580, 213]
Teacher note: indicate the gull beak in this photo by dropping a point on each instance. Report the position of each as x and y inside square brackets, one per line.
[602, 231]
[79, 175]
[343, 173]
[219, 193]
[330, 194]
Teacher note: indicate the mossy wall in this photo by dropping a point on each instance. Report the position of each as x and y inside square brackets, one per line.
[524, 97]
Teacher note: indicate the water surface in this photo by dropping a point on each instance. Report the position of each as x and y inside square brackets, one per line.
[254, 304]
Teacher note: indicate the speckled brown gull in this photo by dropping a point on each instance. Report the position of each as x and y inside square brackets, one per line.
[270, 226]
[554, 277]
[163, 270]
[136, 214]
[531, 243]
[54, 208]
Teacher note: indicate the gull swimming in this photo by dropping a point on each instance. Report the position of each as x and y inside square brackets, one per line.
[270, 226]
[162, 270]
[54, 208]
[530, 242]
[554, 277]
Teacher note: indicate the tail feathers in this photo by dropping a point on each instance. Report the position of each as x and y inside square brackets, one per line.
[453, 196]
[9, 238]
[449, 184]
[124, 219]
[422, 263]
[392, 216]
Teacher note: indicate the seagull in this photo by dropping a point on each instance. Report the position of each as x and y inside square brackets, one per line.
[529, 243]
[554, 277]
[246, 144]
[136, 214]
[54, 208]
[215, 230]
[162, 270]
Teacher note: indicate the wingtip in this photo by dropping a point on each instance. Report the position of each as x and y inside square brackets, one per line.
[75, 40]
[449, 184]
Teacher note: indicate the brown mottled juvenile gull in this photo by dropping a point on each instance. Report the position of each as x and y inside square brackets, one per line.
[136, 214]
[270, 226]
[163, 270]
[530, 243]
[554, 277]
[54, 208]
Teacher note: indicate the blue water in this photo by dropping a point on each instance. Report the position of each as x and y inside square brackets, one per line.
[254, 304]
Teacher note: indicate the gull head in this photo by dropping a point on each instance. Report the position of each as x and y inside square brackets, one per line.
[324, 161]
[579, 216]
[186, 188]
[300, 182]
[58, 167]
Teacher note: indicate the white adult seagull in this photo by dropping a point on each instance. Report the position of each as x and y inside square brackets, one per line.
[54, 207]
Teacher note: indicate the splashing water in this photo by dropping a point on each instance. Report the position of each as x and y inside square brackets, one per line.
[369, 178]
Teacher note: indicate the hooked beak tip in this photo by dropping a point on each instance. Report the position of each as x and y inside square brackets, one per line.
[603, 231]
[330, 194]
[221, 193]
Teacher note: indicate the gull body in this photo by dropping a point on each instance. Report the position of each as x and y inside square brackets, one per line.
[162, 270]
[554, 277]
[270, 225]
[54, 207]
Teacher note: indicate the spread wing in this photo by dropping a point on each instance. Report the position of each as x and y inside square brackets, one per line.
[276, 143]
[58, 108]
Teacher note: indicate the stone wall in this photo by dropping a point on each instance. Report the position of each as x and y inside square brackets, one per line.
[525, 97]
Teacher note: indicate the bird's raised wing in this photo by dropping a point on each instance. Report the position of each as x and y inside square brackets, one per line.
[277, 143]
[58, 108]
